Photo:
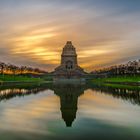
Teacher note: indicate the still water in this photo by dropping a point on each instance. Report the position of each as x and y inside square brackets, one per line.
[59, 112]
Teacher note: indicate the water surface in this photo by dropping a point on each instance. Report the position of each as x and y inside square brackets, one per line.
[57, 112]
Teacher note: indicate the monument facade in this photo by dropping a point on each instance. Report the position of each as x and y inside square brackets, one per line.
[69, 68]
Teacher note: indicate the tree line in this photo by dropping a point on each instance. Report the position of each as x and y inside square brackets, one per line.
[18, 70]
[130, 68]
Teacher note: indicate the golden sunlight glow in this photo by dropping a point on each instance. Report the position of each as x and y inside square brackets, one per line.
[35, 34]
[33, 46]
[36, 37]
[88, 53]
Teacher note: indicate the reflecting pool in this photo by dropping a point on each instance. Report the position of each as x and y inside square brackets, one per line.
[59, 112]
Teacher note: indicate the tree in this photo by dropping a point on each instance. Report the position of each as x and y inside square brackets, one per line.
[2, 67]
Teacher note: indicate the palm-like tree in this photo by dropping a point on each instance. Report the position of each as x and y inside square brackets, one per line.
[2, 67]
[22, 69]
[13, 69]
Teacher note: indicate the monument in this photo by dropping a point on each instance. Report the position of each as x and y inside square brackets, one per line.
[69, 95]
[69, 70]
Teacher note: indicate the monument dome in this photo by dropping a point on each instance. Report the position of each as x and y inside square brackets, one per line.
[69, 68]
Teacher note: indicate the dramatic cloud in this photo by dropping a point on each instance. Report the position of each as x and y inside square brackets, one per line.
[105, 32]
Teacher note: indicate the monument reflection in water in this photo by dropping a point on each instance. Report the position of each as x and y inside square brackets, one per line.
[68, 101]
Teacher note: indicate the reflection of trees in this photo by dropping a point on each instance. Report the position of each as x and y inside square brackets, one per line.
[69, 92]
[132, 95]
[9, 92]
[68, 100]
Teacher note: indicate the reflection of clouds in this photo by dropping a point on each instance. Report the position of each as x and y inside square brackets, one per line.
[108, 109]
[35, 32]
[40, 114]
[27, 115]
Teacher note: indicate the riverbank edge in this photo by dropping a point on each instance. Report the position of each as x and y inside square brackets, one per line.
[116, 83]
[22, 82]
[122, 80]
[125, 83]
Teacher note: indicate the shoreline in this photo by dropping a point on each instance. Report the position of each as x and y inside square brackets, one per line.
[118, 80]
[125, 83]
[22, 82]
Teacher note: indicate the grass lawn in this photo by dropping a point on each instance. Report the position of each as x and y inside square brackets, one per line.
[120, 79]
[119, 82]
[12, 78]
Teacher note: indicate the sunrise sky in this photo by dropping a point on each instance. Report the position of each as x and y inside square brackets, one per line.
[104, 32]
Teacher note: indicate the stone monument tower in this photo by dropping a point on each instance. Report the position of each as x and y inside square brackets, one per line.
[68, 68]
